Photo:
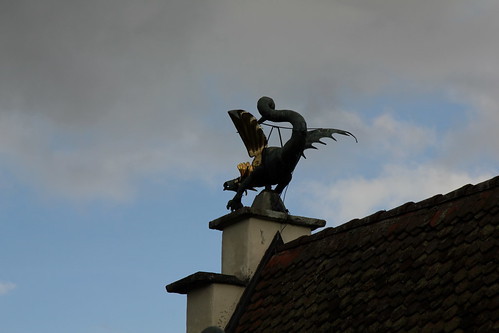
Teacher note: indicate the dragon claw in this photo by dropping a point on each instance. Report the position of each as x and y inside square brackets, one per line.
[234, 205]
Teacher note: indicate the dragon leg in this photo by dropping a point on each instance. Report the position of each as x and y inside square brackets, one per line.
[282, 185]
[248, 183]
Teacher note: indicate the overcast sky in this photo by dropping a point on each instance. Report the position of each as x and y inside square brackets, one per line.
[115, 139]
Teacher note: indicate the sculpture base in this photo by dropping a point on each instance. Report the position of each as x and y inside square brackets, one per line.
[269, 200]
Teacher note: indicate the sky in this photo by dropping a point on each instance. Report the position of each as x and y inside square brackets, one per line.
[115, 139]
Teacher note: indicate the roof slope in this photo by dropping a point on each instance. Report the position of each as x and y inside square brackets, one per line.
[432, 266]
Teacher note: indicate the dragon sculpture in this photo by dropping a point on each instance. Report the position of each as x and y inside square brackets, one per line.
[271, 165]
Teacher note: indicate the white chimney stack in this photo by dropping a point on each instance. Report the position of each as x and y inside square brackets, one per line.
[246, 235]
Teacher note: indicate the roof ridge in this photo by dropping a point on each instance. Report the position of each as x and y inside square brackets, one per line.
[405, 208]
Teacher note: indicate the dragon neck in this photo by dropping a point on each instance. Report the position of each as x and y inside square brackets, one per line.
[266, 107]
[293, 148]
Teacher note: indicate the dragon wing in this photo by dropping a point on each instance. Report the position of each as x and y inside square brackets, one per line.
[250, 131]
[316, 135]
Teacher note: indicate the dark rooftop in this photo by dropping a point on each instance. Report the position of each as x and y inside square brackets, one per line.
[431, 266]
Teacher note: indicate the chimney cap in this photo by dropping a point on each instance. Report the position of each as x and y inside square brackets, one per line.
[246, 212]
[201, 279]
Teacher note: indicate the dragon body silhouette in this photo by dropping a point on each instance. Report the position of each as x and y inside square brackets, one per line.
[271, 165]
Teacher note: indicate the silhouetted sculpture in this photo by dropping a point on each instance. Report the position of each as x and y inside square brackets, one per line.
[271, 165]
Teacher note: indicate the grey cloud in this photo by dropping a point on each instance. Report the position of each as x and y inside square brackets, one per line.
[147, 84]
[355, 197]
[6, 287]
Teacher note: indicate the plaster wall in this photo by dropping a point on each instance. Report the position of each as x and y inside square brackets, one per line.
[211, 305]
[245, 243]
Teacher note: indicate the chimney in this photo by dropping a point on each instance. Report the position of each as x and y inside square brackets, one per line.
[248, 232]
[246, 235]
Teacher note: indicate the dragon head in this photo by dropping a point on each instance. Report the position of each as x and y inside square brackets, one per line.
[232, 185]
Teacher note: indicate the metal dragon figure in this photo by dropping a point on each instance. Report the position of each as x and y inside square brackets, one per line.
[271, 165]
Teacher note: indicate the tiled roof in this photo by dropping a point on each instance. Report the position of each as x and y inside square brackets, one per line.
[431, 266]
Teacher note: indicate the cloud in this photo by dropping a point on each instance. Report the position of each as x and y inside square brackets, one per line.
[410, 171]
[6, 287]
[96, 96]
[105, 169]
[356, 197]
[478, 140]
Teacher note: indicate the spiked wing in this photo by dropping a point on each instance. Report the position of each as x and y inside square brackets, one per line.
[250, 131]
[316, 135]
